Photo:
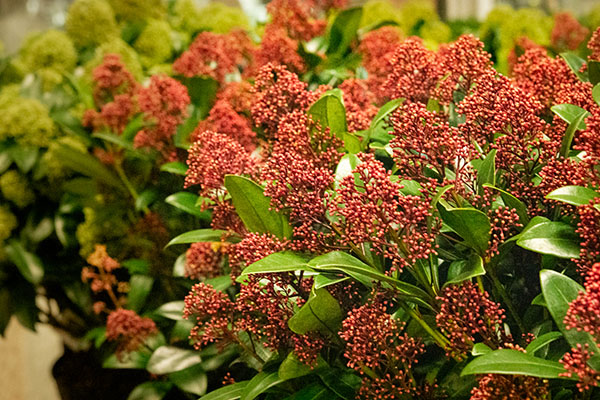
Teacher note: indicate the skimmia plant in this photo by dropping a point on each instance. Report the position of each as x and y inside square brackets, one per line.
[336, 203]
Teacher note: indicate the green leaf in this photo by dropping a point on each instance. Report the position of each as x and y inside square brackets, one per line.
[175, 167]
[139, 289]
[202, 91]
[554, 238]
[191, 380]
[462, 270]
[28, 264]
[575, 63]
[323, 280]
[134, 360]
[261, 382]
[5, 160]
[253, 207]
[330, 113]
[199, 235]
[345, 167]
[594, 71]
[115, 139]
[559, 291]
[320, 313]
[150, 391]
[385, 111]
[470, 224]
[167, 359]
[87, 165]
[486, 173]
[186, 202]
[292, 368]
[25, 157]
[513, 362]
[574, 195]
[229, 392]
[132, 128]
[570, 114]
[542, 341]
[284, 261]
[220, 283]
[512, 202]
[480, 349]
[314, 391]
[565, 146]
[171, 310]
[137, 266]
[179, 266]
[146, 198]
[352, 143]
[596, 94]
[343, 31]
[344, 384]
[340, 262]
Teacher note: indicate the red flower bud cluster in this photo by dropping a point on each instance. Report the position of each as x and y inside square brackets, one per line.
[128, 329]
[359, 102]
[204, 260]
[594, 45]
[103, 279]
[498, 386]
[567, 33]
[587, 229]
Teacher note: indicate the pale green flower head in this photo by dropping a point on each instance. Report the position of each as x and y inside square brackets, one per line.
[413, 13]
[91, 22]
[8, 222]
[52, 162]
[25, 120]
[435, 32]
[52, 50]
[375, 11]
[15, 188]
[215, 17]
[135, 10]
[154, 44]
[129, 57]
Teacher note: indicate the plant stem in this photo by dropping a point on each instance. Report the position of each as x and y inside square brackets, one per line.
[128, 185]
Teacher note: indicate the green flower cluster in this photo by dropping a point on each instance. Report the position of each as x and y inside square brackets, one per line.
[91, 22]
[8, 222]
[154, 44]
[504, 26]
[99, 226]
[53, 166]
[135, 10]
[49, 54]
[24, 120]
[15, 188]
[129, 57]
[216, 17]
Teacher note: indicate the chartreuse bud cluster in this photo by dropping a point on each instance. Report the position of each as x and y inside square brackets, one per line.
[15, 188]
[91, 22]
[154, 43]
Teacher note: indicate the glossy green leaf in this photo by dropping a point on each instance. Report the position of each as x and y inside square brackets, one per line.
[139, 289]
[384, 112]
[28, 264]
[186, 201]
[323, 280]
[565, 145]
[171, 310]
[314, 391]
[167, 359]
[87, 165]
[134, 360]
[199, 235]
[594, 71]
[175, 167]
[329, 112]
[512, 202]
[344, 384]
[559, 291]
[574, 195]
[470, 224]
[486, 173]
[542, 341]
[570, 113]
[513, 362]
[179, 266]
[146, 198]
[596, 94]
[343, 31]
[25, 157]
[345, 167]
[191, 380]
[202, 91]
[229, 392]
[292, 368]
[114, 139]
[150, 391]
[284, 261]
[462, 270]
[480, 349]
[341, 262]
[321, 313]
[133, 127]
[220, 283]
[261, 382]
[553, 238]
[254, 208]
[575, 63]
[137, 266]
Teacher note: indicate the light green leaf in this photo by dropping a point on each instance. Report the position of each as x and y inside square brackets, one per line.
[320, 313]
[480, 349]
[575, 63]
[554, 238]
[253, 207]
[28, 264]
[229, 392]
[570, 114]
[261, 382]
[139, 289]
[146, 198]
[150, 391]
[284, 261]
[343, 31]
[574, 195]
[513, 362]
[200, 235]
[186, 201]
[191, 380]
[175, 167]
[134, 360]
[24, 156]
[596, 94]
[172, 310]
[462, 270]
[329, 112]
[167, 359]
[542, 341]
[486, 173]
